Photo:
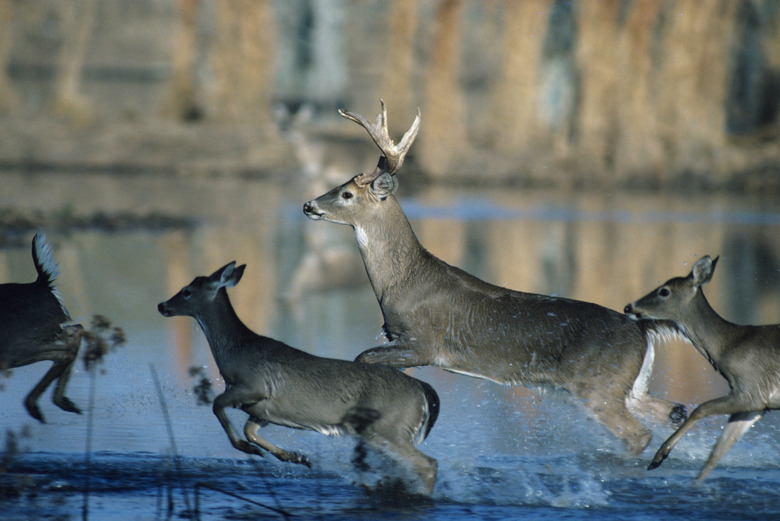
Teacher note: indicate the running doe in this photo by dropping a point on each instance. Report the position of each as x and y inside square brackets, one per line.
[34, 327]
[748, 357]
[275, 383]
[437, 314]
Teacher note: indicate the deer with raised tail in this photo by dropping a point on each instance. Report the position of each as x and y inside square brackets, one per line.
[437, 314]
[36, 327]
[748, 357]
[275, 383]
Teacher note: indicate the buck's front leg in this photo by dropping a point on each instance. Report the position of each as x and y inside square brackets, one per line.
[235, 397]
[251, 432]
[395, 355]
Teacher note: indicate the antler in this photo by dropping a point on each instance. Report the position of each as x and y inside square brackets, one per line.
[392, 154]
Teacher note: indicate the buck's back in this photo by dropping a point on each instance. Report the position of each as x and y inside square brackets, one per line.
[476, 324]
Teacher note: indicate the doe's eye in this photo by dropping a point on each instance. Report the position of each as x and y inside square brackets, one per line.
[186, 293]
[664, 292]
[347, 195]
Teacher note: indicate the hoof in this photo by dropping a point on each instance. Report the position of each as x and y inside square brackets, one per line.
[66, 405]
[300, 459]
[678, 414]
[34, 411]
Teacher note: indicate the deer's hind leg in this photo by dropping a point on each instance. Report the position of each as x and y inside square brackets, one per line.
[423, 465]
[72, 342]
[608, 405]
[63, 364]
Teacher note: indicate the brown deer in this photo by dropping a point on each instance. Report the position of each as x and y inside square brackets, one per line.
[748, 357]
[34, 327]
[275, 383]
[437, 314]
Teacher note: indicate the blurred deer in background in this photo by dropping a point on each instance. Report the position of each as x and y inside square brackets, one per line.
[275, 383]
[324, 154]
[34, 327]
[748, 357]
[436, 314]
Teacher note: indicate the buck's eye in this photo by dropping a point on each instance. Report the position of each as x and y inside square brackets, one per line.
[186, 293]
[346, 195]
[664, 292]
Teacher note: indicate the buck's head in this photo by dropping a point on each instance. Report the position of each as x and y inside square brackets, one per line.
[201, 292]
[672, 300]
[363, 194]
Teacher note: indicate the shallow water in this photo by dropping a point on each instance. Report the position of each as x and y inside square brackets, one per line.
[502, 452]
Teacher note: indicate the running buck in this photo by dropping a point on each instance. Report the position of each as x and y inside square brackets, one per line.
[275, 383]
[34, 327]
[436, 314]
[748, 357]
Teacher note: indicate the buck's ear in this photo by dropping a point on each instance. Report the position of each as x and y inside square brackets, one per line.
[383, 185]
[702, 271]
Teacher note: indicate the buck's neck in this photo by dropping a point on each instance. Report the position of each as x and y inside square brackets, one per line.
[389, 247]
[707, 330]
[223, 329]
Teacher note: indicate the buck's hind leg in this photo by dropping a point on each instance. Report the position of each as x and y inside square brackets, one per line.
[612, 412]
[251, 429]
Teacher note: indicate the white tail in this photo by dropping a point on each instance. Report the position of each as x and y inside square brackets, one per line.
[33, 328]
[437, 314]
[748, 357]
[276, 383]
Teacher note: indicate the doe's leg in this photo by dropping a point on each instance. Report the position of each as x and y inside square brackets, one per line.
[251, 429]
[738, 425]
[231, 398]
[723, 405]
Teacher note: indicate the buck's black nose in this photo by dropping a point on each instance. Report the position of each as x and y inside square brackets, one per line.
[307, 207]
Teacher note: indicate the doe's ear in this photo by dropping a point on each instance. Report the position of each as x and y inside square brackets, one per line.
[383, 185]
[227, 276]
[702, 271]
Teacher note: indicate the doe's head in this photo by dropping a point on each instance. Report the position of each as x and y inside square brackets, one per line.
[670, 300]
[202, 291]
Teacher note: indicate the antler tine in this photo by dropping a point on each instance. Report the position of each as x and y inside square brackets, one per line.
[393, 154]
